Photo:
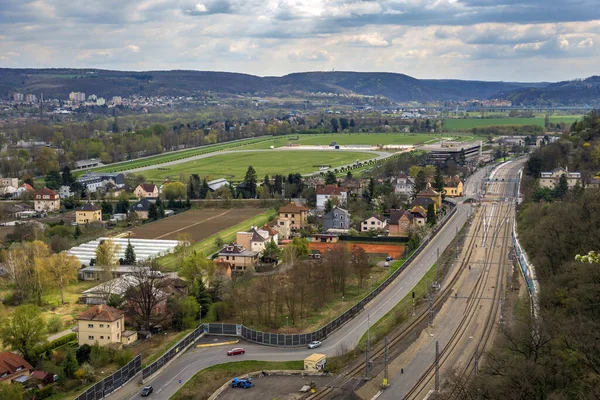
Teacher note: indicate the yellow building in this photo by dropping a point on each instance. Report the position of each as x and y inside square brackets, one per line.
[88, 213]
[295, 213]
[429, 193]
[453, 187]
[103, 325]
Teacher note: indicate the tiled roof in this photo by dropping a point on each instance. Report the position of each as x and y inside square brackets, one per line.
[46, 191]
[419, 210]
[331, 190]
[421, 201]
[395, 216]
[101, 312]
[89, 207]
[428, 191]
[27, 187]
[292, 207]
[9, 362]
[148, 187]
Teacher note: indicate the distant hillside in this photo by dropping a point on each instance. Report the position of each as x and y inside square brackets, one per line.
[568, 93]
[58, 83]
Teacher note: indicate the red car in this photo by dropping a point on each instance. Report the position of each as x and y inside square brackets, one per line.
[236, 351]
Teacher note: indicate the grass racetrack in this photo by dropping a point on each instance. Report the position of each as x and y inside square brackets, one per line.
[233, 166]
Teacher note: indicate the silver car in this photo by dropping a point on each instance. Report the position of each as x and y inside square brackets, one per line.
[314, 344]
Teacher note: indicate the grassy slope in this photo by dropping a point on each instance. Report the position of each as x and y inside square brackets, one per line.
[208, 245]
[234, 166]
[205, 382]
[464, 124]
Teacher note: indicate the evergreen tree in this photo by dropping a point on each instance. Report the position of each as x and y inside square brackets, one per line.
[77, 232]
[70, 364]
[204, 189]
[107, 209]
[431, 217]
[562, 188]
[420, 182]
[278, 184]
[53, 180]
[67, 177]
[193, 187]
[201, 294]
[349, 176]
[250, 181]
[267, 184]
[161, 210]
[129, 254]
[352, 124]
[438, 182]
[335, 125]
[153, 211]
[462, 158]
[330, 178]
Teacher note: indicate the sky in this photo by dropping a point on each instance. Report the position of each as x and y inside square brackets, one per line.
[508, 40]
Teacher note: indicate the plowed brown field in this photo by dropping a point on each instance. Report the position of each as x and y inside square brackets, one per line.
[199, 224]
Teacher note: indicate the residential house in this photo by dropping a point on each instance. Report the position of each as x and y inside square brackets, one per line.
[400, 222]
[403, 185]
[22, 190]
[429, 193]
[64, 191]
[421, 202]
[240, 258]
[18, 210]
[104, 325]
[375, 222]
[173, 286]
[88, 213]
[46, 200]
[336, 218]
[141, 208]
[255, 239]
[331, 191]
[284, 227]
[353, 185]
[453, 187]
[146, 191]
[8, 186]
[295, 213]
[551, 179]
[14, 368]
[420, 215]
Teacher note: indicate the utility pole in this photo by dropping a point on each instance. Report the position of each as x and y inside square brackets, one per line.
[385, 377]
[437, 366]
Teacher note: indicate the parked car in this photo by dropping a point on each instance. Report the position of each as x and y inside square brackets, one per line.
[236, 351]
[146, 391]
[241, 383]
[314, 344]
[388, 258]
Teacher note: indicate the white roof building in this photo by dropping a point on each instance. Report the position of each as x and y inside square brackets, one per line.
[144, 249]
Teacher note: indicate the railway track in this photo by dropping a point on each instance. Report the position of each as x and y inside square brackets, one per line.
[446, 291]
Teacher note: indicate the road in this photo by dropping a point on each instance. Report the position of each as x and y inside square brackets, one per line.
[347, 337]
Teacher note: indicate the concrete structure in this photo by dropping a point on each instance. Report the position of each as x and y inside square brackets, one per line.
[77, 96]
[14, 182]
[328, 192]
[295, 213]
[146, 190]
[86, 164]
[373, 223]
[144, 248]
[240, 258]
[336, 218]
[101, 324]
[551, 179]
[419, 214]
[441, 152]
[14, 368]
[46, 200]
[18, 210]
[88, 213]
[284, 227]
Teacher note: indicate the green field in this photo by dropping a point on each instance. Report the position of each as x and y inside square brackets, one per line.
[468, 123]
[234, 166]
[172, 156]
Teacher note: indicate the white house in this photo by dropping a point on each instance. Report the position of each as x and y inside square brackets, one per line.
[373, 223]
[329, 191]
[403, 185]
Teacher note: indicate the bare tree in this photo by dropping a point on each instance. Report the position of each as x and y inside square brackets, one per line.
[336, 260]
[361, 264]
[146, 302]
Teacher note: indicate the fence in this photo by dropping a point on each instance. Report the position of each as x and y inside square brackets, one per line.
[113, 382]
[172, 352]
[302, 339]
[527, 270]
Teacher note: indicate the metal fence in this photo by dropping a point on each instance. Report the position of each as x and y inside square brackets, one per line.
[302, 339]
[172, 352]
[113, 382]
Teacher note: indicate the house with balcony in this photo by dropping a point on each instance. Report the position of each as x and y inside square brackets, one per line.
[240, 258]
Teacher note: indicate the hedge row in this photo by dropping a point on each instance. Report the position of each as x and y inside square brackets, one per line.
[46, 347]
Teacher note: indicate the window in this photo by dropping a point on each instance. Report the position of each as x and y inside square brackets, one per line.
[233, 257]
[91, 337]
[101, 337]
[108, 325]
[117, 336]
[101, 325]
[286, 215]
[90, 325]
[292, 215]
[108, 337]
[117, 324]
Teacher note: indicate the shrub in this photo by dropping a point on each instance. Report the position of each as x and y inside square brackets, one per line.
[44, 392]
[83, 353]
[55, 324]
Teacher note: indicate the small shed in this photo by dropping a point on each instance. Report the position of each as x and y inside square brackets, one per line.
[315, 362]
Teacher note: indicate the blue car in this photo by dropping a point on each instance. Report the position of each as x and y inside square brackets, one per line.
[388, 259]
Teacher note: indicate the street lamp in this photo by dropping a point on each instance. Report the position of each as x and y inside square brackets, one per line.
[200, 315]
[286, 323]
[342, 301]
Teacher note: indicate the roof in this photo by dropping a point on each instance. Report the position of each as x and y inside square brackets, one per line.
[101, 312]
[41, 375]
[421, 201]
[89, 207]
[453, 181]
[428, 191]
[217, 184]
[10, 362]
[335, 208]
[292, 207]
[331, 190]
[27, 187]
[316, 357]
[236, 249]
[272, 232]
[419, 210]
[18, 207]
[128, 333]
[147, 187]
[395, 216]
[142, 205]
[376, 216]
[46, 191]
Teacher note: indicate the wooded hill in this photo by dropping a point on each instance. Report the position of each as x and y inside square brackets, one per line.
[58, 83]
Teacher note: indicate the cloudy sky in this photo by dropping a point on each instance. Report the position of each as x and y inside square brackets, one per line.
[518, 40]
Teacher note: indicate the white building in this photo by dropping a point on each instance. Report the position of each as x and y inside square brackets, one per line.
[551, 179]
[328, 192]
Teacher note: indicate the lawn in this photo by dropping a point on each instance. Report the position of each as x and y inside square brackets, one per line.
[172, 156]
[207, 381]
[468, 123]
[209, 246]
[234, 166]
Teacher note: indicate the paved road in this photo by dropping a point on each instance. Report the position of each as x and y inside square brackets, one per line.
[345, 338]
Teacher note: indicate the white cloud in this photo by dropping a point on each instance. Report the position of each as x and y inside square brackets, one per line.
[374, 40]
[586, 43]
[200, 8]
[133, 48]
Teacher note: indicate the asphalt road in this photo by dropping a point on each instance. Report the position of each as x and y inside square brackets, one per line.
[347, 337]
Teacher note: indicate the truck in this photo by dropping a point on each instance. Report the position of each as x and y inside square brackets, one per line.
[241, 383]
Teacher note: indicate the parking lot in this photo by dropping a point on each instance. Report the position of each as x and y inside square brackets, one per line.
[275, 387]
